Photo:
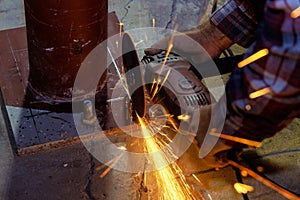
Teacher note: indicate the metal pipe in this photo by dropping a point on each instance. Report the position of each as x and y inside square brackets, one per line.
[60, 34]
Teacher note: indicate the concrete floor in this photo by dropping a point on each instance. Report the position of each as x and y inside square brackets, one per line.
[72, 173]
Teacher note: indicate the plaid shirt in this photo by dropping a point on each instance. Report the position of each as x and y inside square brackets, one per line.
[262, 24]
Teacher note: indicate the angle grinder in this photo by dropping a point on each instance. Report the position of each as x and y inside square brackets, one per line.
[168, 80]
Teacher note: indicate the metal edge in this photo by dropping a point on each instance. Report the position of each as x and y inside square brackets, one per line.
[7, 122]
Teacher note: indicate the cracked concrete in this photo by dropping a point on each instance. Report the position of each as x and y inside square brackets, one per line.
[59, 174]
[139, 13]
[11, 14]
[90, 174]
[72, 173]
[126, 8]
[172, 17]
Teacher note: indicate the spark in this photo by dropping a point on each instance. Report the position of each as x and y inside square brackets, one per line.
[260, 93]
[164, 81]
[243, 188]
[295, 13]
[139, 42]
[248, 107]
[172, 122]
[197, 179]
[109, 168]
[123, 81]
[152, 88]
[121, 27]
[165, 135]
[209, 196]
[99, 168]
[153, 23]
[158, 88]
[253, 58]
[170, 186]
[244, 173]
[145, 178]
[169, 127]
[235, 139]
[122, 148]
[115, 99]
[184, 117]
[260, 169]
[123, 69]
[168, 51]
[265, 181]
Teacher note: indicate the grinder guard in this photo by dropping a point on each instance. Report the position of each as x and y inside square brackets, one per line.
[182, 91]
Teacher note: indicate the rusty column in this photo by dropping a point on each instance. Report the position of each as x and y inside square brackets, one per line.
[60, 34]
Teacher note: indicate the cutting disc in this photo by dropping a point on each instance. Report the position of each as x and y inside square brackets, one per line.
[134, 77]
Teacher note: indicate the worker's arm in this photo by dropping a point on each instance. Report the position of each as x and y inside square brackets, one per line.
[207, 35]
[239, 19]
[234, 22]
[278, 72]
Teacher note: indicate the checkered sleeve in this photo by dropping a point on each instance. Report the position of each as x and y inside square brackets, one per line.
[260, 117]
[238, 21]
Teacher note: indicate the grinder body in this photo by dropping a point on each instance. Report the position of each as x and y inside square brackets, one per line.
[180, 90]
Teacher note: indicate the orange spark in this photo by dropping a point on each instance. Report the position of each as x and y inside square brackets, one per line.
[188, 133]
[184, 117]
[260, 93]
[145, 178]
[265, 181]
[209, 196]
[162, 84]
[253, 57]
[170, 179]
[235, 139]
[244, 173]
[99, 168]
[295, 13]
[121, 27]
[109, 162]
[260, 169]
[168, 51]
[243, 188]
[173, 123]
[248, 107]
[170, 45]
[111, 166]
[197, 179]
[169, 48]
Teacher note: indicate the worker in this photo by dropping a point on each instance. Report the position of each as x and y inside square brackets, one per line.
[272, 25]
